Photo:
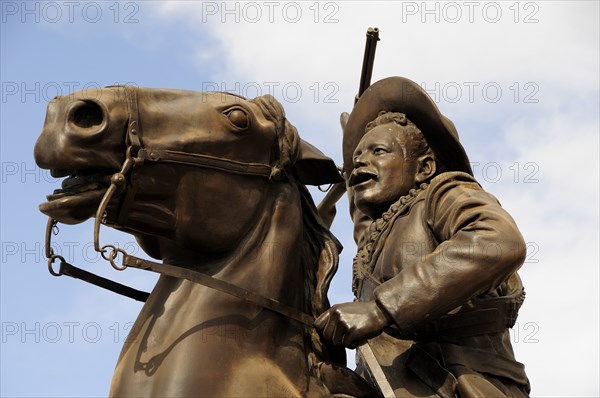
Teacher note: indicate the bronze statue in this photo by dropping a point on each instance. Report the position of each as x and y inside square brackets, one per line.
[435, 274]
[212, 184]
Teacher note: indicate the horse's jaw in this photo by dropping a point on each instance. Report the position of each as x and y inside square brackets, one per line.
[78, 198]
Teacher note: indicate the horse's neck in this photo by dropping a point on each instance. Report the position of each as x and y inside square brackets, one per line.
[189, 326]
[268, 259]
[267, 262]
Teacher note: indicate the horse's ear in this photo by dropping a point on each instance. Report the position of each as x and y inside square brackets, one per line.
[314, 168]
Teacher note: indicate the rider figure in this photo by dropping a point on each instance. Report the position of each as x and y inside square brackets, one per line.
[435, 275]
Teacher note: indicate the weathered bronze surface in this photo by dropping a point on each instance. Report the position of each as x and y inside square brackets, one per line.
[208, 183]
[435, 273]
[212, 184]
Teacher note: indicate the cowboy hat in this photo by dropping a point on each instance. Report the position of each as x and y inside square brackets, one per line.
[399, 94]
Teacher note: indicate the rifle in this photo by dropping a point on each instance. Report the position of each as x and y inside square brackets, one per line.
[368, 60]
[327, 206]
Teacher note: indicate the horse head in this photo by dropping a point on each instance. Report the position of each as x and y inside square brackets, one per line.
[183, 141]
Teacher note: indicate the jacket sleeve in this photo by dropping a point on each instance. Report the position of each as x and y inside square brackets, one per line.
[480, 246]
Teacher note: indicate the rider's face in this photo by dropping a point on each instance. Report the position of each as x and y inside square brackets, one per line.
[382, 172]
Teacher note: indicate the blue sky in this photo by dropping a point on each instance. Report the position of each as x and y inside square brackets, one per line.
[519, 80]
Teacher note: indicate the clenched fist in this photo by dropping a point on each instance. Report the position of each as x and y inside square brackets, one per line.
[350, 324]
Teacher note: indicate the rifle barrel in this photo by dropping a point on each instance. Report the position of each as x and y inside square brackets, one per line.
[368, 60]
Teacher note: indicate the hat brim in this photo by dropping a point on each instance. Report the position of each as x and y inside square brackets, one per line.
[398, 94]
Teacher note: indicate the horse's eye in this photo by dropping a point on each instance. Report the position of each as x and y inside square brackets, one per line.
[239, 117]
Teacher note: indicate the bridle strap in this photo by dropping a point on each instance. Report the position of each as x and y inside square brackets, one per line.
[78, 273]
[205, 161]
[163, 269]
[220, 285]
[134, 129]
[139, 153]
[70, 270]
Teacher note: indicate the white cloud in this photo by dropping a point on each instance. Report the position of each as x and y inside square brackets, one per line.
[556, 41]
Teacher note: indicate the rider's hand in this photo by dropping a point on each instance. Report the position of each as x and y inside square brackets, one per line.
[350, 324]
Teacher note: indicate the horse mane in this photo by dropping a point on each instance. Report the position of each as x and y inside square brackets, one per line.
[320, 249]
[320, 255]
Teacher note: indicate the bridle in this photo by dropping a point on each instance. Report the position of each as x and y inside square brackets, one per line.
[135, 156]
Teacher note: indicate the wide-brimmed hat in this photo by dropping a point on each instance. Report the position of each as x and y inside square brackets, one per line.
[399, 94]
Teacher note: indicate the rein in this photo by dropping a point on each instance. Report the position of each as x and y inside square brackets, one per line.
[135, 157]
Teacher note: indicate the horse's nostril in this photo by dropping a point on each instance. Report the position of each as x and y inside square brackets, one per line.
[86, 114]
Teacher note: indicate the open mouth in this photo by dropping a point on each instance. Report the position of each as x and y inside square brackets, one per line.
[79, 195]
[361, 177]
[80, 182]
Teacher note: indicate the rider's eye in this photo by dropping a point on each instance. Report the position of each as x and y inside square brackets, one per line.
[238, 117]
